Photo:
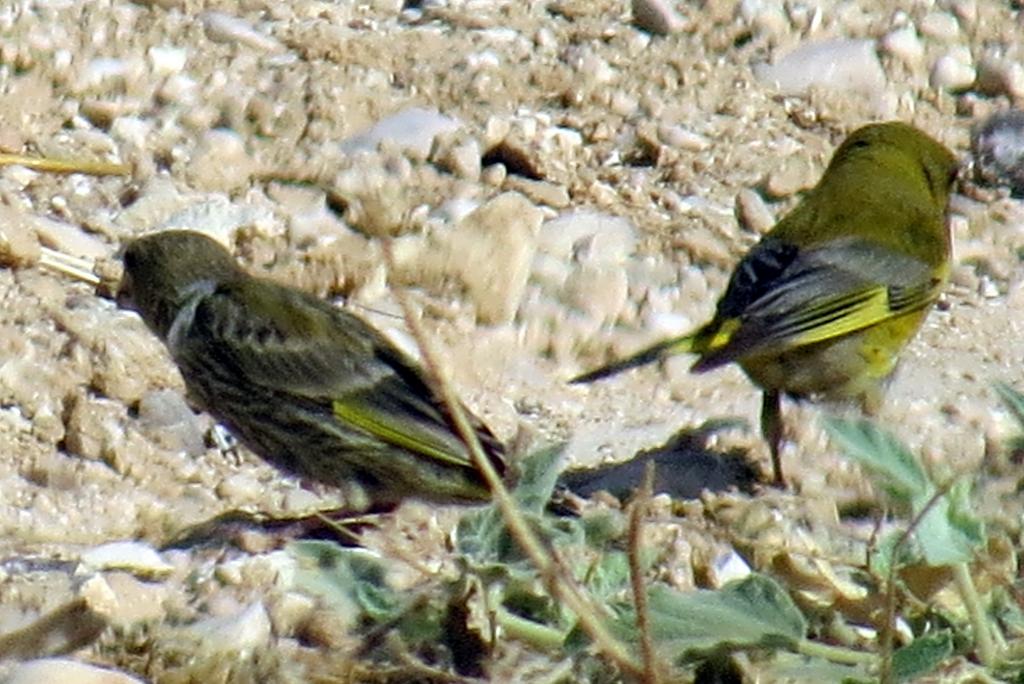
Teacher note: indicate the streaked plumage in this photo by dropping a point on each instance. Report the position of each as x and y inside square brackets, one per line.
[309, 387]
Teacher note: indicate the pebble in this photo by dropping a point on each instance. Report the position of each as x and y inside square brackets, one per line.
[538, 191]
[623, 104]
[166, 419]
[591, 68]
[133, 600]
[93, 426]
[997, 145]
[136, 557]
[50, 670]
[412, 130]
[219, 218]
[37, 390]
[599, 289]
[220, 162]
[289, 611]
[457, 155]
[728, 567]
[19, 244]
[167, 61]
[940, 26]
[660, 17]
[764, 18]
[838, 64]
[494, 175]
[612, 239]
[242, 632]
[100, 70]
[224, 28]
[491, 250]
[999, 75]
[752, 213]
[682, 138]
[240, 487]
[953, 71]
[792, 176]
[69, 239]
[905, 45]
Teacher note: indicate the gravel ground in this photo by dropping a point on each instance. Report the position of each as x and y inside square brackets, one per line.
[564, 180]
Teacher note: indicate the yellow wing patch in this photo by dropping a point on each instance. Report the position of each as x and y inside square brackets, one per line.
[858, 310]
[367, 420]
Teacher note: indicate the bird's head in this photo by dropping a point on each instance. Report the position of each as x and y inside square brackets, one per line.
[163, 270]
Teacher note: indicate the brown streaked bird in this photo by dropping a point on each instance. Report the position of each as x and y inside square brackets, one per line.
[312, 389]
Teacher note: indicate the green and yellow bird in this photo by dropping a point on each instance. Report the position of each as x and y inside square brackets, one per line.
[822, 305]
[312, 389]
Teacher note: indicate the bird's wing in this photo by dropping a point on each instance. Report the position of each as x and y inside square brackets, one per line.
[782, 297]
[293, 344]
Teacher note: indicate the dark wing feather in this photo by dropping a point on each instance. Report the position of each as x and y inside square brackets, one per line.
[822, 293]
[294, 344]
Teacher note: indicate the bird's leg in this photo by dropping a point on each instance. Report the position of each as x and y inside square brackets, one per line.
[771, 430]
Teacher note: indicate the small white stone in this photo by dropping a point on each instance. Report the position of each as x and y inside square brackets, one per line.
[217, 217]
[905, 45]
[241, 487]
[682, 138]
[70, 239]
[623, 103]
[492, 249]
[131, 130]
[952, 71]
[166, 61]
[840, 64]
[239, 633]
[412, 129]
[179, 88]
[597, 288]
[221, 162]
[224, 28]
[50, 670]
[101, 69]
[940, 26]
[135, 557]
[752, 212]
[608, 238]
[21, 176]
[729, 567]
[485, 59]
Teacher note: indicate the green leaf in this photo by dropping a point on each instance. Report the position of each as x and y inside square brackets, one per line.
[481, 534]
[609, 577]
[922, 655]
[753, 612]
[790, 667]
[895, 468]
[343, 577]
[538, 474]
[948, 532]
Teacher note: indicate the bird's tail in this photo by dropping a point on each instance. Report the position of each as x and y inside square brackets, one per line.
[676, 345]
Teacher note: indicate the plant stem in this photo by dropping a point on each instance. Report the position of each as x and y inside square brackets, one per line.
[987, 652]
[557, 578]
[836, 654]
